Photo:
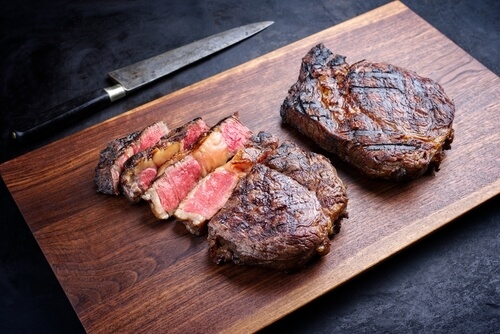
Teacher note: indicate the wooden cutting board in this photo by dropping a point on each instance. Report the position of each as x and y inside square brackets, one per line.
[124, 271]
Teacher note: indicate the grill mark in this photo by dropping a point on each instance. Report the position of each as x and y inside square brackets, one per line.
[375, 107]
[390, 147]
[357, 88]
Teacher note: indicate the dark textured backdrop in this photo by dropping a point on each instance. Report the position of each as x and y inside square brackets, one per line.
[51, 51]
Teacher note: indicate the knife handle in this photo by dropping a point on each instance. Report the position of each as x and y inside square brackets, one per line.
[71, 111]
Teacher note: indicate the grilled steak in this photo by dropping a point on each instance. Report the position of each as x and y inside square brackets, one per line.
[282, 213]
[316, 173]
[386, 121]
[178, 179]
[117, 152]
[270, 220]
[266, 204]
[212, 192]
[141, 169]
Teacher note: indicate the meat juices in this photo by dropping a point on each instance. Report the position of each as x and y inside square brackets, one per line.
[117, 152]
[386, 121]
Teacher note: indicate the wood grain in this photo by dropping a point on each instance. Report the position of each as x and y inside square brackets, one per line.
[124, 271]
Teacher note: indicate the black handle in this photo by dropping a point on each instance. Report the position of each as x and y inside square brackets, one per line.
[69, 112]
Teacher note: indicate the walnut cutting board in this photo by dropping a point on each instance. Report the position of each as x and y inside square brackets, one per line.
[125, 271]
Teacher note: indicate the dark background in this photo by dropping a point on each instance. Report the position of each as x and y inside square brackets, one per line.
[51, 51]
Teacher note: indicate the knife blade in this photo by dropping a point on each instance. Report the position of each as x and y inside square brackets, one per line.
[135, 76]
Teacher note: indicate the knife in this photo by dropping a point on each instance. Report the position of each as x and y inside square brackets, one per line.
[134, 76]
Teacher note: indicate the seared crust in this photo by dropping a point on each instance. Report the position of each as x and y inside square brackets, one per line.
[271, 221]
[282, 213]
[117, 152]
[386, 121]
[104, 170]
[317, 174]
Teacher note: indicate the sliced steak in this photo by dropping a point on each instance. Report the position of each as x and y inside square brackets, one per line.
[270, 220]
[212, 151]
[316, 173]
[212, 192]
[386, 121]
[230, 135]
[117, 152]
[142, 168]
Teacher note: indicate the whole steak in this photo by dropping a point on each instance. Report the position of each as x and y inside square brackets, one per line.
[386, 121]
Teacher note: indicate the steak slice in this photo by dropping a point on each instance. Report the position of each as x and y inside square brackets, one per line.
[169, 190]
[208, 196]
[212, 151]
[316, 173]
[117, 152]
[212, 192]
[228, 137]
[270, 220]
[141, 169]
[386, 121]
